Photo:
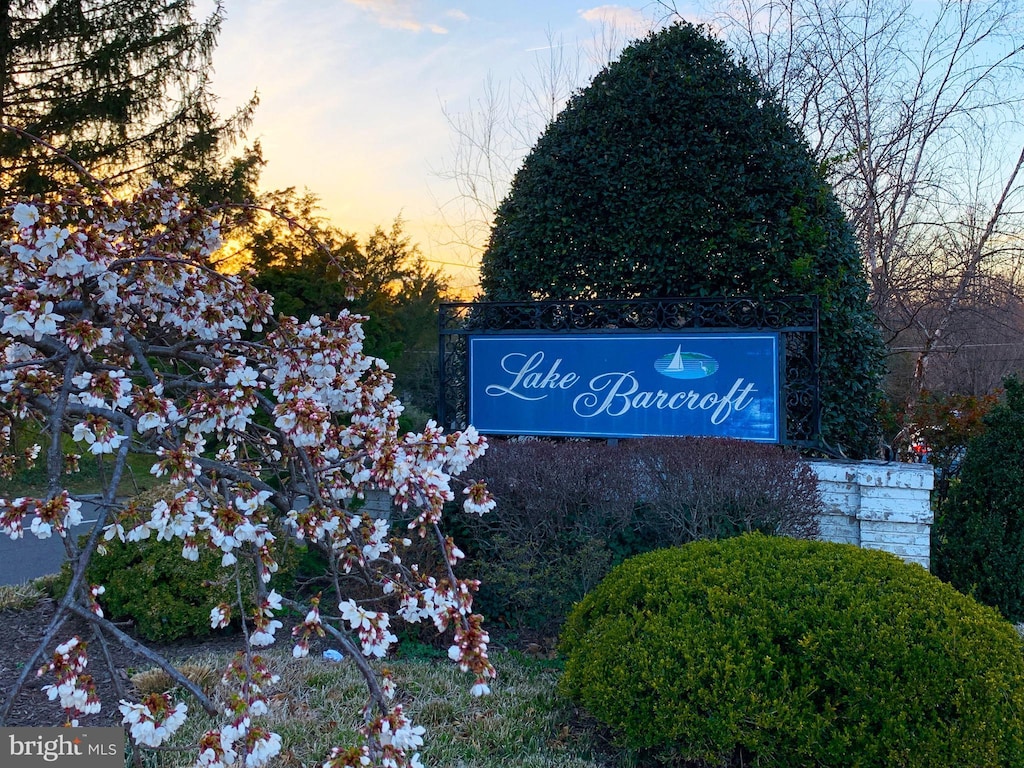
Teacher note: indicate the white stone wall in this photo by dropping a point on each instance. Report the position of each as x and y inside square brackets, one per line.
[878, 505]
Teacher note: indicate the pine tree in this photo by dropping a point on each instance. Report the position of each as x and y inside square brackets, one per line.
[122, 88]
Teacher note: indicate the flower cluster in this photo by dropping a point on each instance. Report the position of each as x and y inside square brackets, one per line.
[115, 331]
[74, 688]
[470, 652]
[153, 720]
[394, 741]
[54, 515]
[372, 627]
[398, 739]
[95, 590]
[310, 627]
[248, 677]
[263, 621]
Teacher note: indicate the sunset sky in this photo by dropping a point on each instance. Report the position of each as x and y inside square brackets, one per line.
[353, 93]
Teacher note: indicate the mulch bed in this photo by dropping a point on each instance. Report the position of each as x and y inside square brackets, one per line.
[20, 634]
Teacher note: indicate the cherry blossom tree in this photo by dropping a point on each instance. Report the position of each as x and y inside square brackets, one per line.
[116, 336]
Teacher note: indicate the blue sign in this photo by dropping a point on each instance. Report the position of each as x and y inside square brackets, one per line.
[626, 385]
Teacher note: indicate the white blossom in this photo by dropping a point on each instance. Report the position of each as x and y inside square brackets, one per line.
[25, 215]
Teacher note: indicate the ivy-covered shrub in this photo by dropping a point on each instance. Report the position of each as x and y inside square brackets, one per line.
[978, 537]
[771, 651]
[675, 173]
[567, 512]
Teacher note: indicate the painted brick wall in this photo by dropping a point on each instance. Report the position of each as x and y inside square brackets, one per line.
[878, 505]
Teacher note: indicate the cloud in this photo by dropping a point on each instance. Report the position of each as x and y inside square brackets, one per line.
[455, 13]
[615, 15]
[398, 14]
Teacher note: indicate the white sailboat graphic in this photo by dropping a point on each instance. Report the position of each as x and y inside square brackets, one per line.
[677, 360]
[685, 365]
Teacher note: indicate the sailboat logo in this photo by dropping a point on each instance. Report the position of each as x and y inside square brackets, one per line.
[685, 365]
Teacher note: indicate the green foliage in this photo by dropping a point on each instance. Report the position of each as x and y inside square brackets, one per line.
[165, 596]
[777, 652]
[567, 512]
[386, 280]
[676, 174]
[123, 89]
[978, 537]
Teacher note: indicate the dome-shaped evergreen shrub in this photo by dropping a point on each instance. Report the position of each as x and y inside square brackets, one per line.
[675, 173]
[776, 652]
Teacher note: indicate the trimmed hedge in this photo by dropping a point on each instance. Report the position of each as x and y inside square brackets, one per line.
[776, 652]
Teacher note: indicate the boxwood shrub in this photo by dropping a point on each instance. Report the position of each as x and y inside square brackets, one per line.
[164, 596]
[776, 652]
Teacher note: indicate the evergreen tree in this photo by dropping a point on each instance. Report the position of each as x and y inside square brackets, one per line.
[676, 174]
[314, 268]
[119, 86]
[307, 264]
[978, 538]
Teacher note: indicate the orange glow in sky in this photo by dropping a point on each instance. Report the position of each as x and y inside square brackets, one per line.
[353, 96]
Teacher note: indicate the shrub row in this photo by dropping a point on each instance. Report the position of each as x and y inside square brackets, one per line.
[567, 512]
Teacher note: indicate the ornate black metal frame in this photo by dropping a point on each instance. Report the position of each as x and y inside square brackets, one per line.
[795, 318]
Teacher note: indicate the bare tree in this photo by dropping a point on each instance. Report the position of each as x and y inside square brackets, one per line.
[912, 110]
[982, 340]
[490, 139]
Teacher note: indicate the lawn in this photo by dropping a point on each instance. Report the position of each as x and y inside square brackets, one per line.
[91, 478]
[524, 722]
[316, 704]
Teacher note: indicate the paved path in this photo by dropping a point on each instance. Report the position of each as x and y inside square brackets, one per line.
[29, 557]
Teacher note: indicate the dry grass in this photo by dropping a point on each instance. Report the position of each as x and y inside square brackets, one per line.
[21, 597]
[156, 680]
[317, 703]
